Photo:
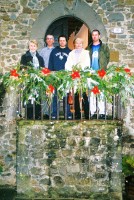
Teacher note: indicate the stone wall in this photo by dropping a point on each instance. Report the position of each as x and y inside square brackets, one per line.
[18, 18]
[7, 153]
[69, 160]
[16, 24]
[8, 135]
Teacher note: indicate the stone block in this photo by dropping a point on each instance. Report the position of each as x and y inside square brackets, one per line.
[121, 2]
[114, 56]
[129, 2]
[74, 168]
[115, 17]
[112, 35]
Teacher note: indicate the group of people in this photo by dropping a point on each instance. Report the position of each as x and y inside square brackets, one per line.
[96, 57]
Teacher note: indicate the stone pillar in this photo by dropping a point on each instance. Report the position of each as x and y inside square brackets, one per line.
[115, 163]
[10, 104]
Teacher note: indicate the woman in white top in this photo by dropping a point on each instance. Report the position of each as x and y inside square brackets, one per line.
[80, 57]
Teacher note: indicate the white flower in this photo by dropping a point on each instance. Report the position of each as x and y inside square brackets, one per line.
[91, 81]
[116, 138]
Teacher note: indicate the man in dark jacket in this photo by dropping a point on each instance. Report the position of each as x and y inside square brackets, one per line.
[99, 52]
[57, 60]
[59, 54]
[99, 55]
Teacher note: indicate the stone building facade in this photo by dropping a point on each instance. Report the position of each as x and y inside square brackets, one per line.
[22, 20]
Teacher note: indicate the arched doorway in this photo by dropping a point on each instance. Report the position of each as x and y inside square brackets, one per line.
[72, 28]
[62, 9]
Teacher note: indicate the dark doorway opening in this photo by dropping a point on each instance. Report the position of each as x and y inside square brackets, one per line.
[69, 26]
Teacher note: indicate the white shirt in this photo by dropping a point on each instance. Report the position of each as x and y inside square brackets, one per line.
[78, 56]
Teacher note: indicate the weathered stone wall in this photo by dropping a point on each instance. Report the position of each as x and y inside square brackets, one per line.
[18, 17]
[69, 160]
[17, 20]
[8, 135]
[7, 153]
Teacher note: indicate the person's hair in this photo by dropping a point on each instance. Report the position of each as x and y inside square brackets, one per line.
[49, 35]
[64, 36]
[96, 30]
[77, 39]
[34, 42]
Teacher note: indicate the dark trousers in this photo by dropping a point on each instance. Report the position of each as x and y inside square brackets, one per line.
[85, 105]
[30, 111]
[55, 107]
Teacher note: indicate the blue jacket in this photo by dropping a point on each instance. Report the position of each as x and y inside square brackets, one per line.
[58, 58]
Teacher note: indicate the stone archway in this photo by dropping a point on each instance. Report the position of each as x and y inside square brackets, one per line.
[63, 8]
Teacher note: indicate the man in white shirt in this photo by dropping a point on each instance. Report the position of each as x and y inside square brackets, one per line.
[45, 53]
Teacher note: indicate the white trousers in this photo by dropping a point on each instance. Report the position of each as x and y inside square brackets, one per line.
[93, 103]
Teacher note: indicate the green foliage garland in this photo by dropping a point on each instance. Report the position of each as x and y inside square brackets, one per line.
[31, 82]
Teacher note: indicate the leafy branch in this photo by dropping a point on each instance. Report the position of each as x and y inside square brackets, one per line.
[33, 82]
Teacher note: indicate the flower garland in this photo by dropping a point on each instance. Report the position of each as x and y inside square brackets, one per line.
[31, 82]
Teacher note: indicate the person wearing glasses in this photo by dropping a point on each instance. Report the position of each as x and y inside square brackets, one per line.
[45, 53]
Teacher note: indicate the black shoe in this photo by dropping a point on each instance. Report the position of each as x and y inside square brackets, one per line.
[108, 117]
[46, 116]
[86, 116]
[94, 116]
[77, 117]
[38, 117]
[101, 116]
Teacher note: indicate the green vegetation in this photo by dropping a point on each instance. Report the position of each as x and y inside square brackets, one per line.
[128, 165]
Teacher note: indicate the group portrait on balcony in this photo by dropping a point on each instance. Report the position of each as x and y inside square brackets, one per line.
[95, 56]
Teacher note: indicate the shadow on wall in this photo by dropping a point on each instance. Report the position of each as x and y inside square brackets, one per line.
[7, 193]
[2, 94]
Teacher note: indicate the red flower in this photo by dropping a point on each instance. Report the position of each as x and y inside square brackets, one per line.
[75, 74]
[14, 73]
[127, 70]
[101, 73]
[45, 71]
[95, 90]
[50, 89]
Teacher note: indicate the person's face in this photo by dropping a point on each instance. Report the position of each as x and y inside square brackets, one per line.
[62, 42]
[49, 40]
[32, 47]
[78, 44]
[95, 36]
